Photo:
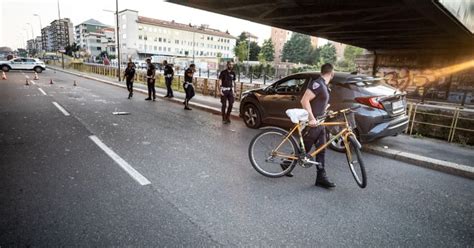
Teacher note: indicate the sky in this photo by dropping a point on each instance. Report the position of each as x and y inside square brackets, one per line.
[15, 14]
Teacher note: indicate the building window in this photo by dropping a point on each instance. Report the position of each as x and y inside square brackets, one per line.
[169, 49]
[140, 37]
[164, 40]
[159, 39]
[176, 42]
[159, 49]
[155, 39]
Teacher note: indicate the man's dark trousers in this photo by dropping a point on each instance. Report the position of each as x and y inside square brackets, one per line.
[168, 81]
[151, 88]
[315, 136]
[227, 95]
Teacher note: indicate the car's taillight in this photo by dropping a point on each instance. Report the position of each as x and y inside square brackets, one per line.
[372, 101]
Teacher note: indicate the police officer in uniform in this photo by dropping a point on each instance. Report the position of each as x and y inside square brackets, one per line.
[150, 78]
[169, 73]
[129, 76]
[315, 101]
[226, 91]
[188, 85]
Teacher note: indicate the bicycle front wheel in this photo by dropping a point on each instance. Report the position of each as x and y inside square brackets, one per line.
[356, 165]
[268, 161]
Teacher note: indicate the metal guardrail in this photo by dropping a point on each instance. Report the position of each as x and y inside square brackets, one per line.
[415, 109]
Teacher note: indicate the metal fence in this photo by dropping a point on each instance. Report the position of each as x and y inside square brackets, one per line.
[454, 124]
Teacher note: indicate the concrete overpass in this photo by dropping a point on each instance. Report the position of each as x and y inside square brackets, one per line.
[416, 25]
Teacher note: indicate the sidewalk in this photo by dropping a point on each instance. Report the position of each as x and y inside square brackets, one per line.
[429, 153]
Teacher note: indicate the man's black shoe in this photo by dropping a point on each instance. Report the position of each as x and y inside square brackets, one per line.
[154, 99]
[323, 181]
[188, 108]
[284, 165]
[148, 99]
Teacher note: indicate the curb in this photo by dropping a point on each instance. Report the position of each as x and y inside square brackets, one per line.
[422, 161]
[418, 160]
[175, 100]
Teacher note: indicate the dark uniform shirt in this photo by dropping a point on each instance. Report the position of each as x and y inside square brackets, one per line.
[186, 77]
[129, 73]
[227, 77]
[168, 70]
[151, 70]
[320, 90]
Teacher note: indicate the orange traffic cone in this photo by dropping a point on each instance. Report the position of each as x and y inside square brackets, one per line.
[50, 81]
[74, 83]
[36, 76]
[27, 83]
[4, 76]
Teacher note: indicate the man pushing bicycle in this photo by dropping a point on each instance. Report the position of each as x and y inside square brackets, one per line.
[315, 101]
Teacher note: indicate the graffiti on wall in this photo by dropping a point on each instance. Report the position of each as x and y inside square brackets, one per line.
[413, 81]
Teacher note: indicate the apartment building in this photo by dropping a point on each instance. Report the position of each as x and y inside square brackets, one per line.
[142, 37]
[57, 35]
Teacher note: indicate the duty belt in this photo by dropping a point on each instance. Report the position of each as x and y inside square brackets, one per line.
[226, 88]
[169, 75]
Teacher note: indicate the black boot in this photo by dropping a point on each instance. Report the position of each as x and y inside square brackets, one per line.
[322, 180]
[284, 165]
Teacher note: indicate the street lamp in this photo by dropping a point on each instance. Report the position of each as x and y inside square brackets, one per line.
[117, 34]
[41, 25]
[31, 26]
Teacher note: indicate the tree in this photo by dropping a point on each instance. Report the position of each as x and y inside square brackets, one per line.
[241, 51]
[348, 63]
[70, 49]
[238, 49]
[328, 53]
[351, 52]
[297, 49]
[254, 51]
[267, 53]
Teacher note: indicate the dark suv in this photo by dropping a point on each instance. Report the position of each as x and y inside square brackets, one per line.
[382, 112]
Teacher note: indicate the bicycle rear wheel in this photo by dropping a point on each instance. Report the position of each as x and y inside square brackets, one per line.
[356, 165]
[262, 153]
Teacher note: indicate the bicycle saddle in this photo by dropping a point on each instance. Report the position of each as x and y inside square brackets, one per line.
[296, 115]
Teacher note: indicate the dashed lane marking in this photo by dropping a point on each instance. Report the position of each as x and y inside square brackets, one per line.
[122, 163]
[61, 109]
[42, 91]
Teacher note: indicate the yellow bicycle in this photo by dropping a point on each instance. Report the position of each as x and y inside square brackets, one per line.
[275, 152]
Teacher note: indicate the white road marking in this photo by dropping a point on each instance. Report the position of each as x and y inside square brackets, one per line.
[42, 91]
[61, 109]
[122, 163]
[32, 82]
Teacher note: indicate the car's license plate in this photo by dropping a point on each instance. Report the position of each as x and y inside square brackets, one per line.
[397, 105]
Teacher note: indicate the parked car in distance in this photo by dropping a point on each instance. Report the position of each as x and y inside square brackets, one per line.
[382, 110]
[23, 64]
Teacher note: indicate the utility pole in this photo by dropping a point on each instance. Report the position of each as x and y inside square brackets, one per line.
[194, 32]
[61, 43]
[118, 38]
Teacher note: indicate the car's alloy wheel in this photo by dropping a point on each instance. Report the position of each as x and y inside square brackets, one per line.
[251, 116]
[5, 68]
[337, 144]
[38, 69]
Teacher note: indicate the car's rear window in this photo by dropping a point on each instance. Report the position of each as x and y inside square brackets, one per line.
[366, 82]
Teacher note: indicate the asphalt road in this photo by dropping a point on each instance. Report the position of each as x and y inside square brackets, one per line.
[60, 189]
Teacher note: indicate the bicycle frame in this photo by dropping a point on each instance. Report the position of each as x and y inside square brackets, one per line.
[345, 133]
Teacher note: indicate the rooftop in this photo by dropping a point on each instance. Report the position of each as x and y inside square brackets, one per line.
[94, 23]
[203, 29]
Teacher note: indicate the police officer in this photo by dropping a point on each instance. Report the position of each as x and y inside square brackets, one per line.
[315, 101]
[129, 76]
[169, 73]
[226, 91]
[150, 78]
[188, 85]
